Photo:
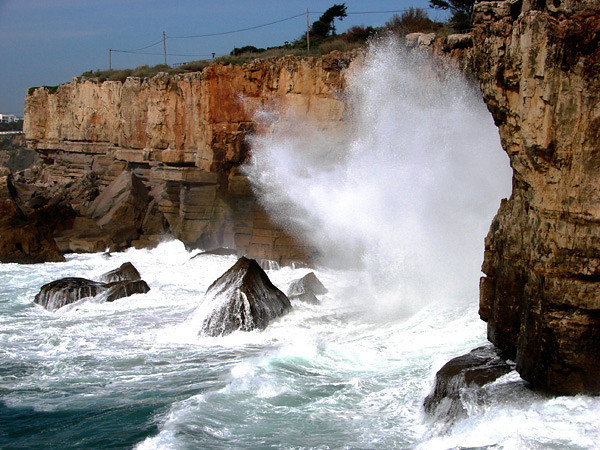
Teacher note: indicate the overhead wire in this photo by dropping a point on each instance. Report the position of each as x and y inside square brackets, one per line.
[223, 33]
[237, 31]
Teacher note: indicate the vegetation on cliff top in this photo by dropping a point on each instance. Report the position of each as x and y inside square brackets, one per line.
[323, 40]
[12, 126]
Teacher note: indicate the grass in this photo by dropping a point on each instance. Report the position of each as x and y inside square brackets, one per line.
[50, 89]
[413, 20]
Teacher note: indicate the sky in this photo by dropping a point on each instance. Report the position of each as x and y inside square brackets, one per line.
[48, 42]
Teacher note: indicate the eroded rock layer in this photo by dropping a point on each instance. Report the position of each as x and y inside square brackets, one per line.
[538, 63]
[184, 136]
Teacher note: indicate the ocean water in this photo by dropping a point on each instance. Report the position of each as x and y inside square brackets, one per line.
[398, 202]
[133, 373]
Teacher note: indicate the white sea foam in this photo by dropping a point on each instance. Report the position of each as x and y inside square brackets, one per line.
[405, 192]
[323, 375]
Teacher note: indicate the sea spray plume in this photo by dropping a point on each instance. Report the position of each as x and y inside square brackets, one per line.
[405, 190]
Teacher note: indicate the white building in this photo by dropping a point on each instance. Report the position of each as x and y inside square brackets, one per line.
[8, 118]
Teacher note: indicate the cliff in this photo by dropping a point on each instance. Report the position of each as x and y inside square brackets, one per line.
[184, 137]
[538, 64]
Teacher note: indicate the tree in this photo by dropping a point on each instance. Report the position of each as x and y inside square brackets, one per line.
[461, 11]
[325, 24]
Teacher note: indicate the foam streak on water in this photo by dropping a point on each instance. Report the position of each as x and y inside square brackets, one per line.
[132, 373]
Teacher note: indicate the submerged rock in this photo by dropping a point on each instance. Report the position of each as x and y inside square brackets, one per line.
[308, 284]
[118, 283]
[467, 372]
[243, 298]
[127, 272]
[306, 297]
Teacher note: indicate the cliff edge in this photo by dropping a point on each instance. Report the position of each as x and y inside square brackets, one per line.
[538, 63]
[184, 137]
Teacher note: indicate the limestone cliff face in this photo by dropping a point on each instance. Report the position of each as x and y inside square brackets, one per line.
[185, 137]
[538, 63]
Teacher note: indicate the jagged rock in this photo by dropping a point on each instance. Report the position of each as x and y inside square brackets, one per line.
[125, 288]
[306, 297]
[243, 298]
[23, 239]
[127, 272]
[14, 156]
[538, 65]
[455, 41]
[467, 372]
[120, 209]
[185, 136]
[125, 200]
[83, 236]
[65, 291]
[308, 284]
[419, 39]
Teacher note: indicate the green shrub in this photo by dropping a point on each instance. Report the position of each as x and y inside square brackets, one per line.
[359, 33]
[192, 66]
[341, 45]
[414, 20]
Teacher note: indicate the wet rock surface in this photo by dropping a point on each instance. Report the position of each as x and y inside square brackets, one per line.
[127, 272]
[125, 288]
[464, 373]
[243, 298]
[308, 284]
[306, 297]
[121, 282]
[65, 291]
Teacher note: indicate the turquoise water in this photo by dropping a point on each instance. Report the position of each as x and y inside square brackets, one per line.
[134, 373]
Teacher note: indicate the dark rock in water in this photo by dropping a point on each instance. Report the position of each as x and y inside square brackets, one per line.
[217, 251]
[127, 272]
[243, 298]
[65, 291]
[471, 371]
[309, 283]
[306, 297]
[125, 288]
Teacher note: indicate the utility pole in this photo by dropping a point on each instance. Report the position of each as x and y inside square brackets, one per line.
[110, 59]
[165, 47]
[307, 37]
